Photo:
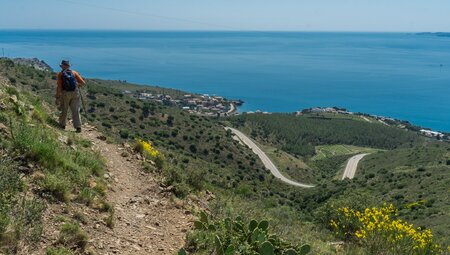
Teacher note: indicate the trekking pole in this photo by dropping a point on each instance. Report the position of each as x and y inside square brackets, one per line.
[82, 102]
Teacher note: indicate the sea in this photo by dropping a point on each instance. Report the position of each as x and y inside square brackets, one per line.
[400, 75]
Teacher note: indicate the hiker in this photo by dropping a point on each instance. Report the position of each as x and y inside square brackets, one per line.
[67, 95]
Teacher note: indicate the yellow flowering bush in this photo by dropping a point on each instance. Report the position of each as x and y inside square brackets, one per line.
[148, 151]
[382, 232]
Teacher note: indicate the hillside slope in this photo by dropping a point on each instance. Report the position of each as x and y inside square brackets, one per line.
[77, 193]
[202, 157]
[403, 168]
[204, 163]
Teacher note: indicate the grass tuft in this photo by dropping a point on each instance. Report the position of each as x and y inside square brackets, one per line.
[58, 251]
[72, 235]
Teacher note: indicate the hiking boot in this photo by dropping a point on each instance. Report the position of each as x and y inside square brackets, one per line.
[78, 130]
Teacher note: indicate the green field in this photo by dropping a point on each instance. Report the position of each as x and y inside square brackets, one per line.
[326, 151]
[299, 135]
[292, 167]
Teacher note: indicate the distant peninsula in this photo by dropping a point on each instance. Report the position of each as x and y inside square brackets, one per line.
[33, 62]
[440, 34]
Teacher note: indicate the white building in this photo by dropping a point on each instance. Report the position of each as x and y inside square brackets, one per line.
[431, 133]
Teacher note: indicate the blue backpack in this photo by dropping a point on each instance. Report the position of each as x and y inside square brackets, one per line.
[69, 80]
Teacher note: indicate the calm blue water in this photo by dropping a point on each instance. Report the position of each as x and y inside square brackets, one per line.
[396, 75]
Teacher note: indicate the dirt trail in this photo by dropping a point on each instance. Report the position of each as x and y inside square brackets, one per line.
[146, 221]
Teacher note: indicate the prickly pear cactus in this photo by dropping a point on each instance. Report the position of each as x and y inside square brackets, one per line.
[204, 217]
[305, 249]
[234, 236]
[263, 225]
[266, 248]
[230, 250]
[228, 224]
[199, 225]
[219, 246]
[290, 252]
[258, 236]
[252, 225]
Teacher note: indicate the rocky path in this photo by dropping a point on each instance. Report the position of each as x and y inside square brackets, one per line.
[146, 221]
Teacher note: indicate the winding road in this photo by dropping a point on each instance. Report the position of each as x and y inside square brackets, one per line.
[266, 160]
[349, 172]
[352, 165]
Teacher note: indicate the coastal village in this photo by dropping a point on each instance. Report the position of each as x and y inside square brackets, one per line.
[205, 105]
[217, 106]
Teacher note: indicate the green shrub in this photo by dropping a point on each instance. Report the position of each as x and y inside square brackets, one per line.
[110, 220]
[86, 196]
[101, 188]
[57, 186]
[24, 221]
[10, 185]
[58, 251]
[159, 162]
[37, 144]
[80, 217]
[106, 124]
[181, 189]
[4, 218]
[193, 148]
[421, 169]
[196, 178]
[124, 133]
[86, 164]
[72, 235]
[28, 224]
[170, 120]
[104, 206]
[85, 143]
[66, 169]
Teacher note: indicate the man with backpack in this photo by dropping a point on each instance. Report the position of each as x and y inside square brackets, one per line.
[67, 95]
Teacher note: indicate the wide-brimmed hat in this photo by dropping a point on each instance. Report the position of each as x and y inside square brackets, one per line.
[65, 63]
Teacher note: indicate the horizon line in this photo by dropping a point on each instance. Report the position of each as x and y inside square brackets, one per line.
[216, 30]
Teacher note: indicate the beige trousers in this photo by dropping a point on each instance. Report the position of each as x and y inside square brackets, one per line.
[70, 99]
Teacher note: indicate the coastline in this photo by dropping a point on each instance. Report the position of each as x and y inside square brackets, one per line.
[232, 106]
[405, 86]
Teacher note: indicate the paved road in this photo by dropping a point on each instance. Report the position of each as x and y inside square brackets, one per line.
[265, 159]
[352, 165]
[232, 109]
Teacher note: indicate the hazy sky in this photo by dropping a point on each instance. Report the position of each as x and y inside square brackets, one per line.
[302, 15]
